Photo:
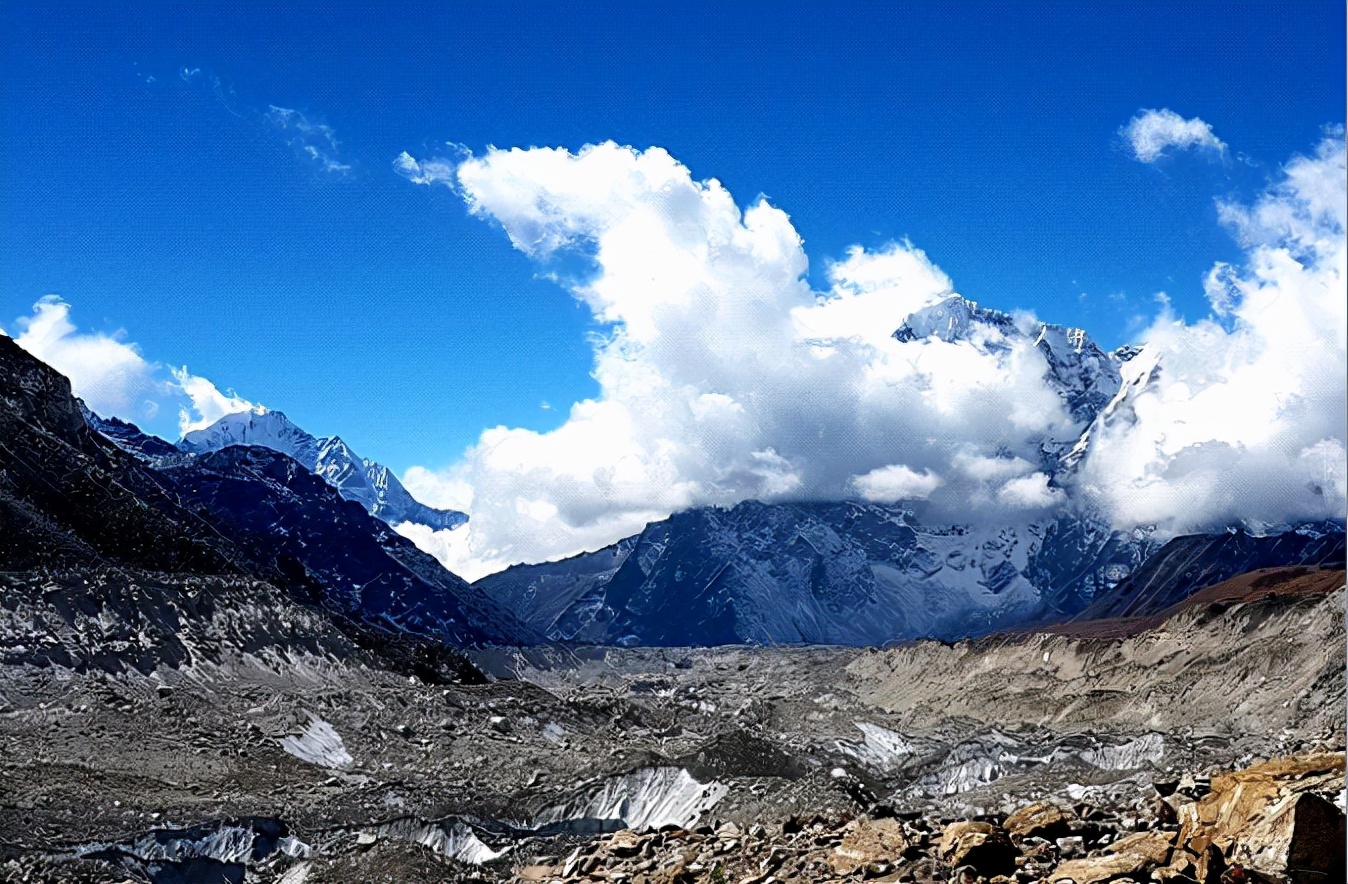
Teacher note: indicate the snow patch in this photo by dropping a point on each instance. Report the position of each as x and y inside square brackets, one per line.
[882, 749]
[320, 744]
[1127, 756]
[452, 840]
[643, 800]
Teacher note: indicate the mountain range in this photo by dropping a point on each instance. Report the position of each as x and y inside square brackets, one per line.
[254, 494]
[370, 484]
[73, 497]
[870, 573]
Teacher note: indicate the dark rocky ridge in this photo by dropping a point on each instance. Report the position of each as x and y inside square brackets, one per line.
[1187, 564]
[285, 515]
[70, 497]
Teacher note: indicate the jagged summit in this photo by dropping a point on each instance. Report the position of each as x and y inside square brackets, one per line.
[1085, 376]
[256, 426]
[370, 484]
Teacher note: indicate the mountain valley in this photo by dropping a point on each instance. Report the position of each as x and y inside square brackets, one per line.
[221, 665]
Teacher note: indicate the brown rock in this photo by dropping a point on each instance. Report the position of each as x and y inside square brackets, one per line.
[986, 847]
[1269, 819]
[1153, 846]
[1130, 856]
[624, 843]
[1042, 820]
[867, 841]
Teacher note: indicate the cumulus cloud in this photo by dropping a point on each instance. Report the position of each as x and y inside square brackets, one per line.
[206, 404]
[112, 376]
[314, 140]
[895, 482]
[723, 375]
[1243, 420]
[107, 372]
[1152, 132]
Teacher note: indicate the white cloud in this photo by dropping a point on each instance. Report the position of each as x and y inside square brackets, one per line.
[724, 376]
[426, 171]
[895, 482]
[1152, 132]
[206, 404]
[1244, 421]
[1030, 492]
[109, 374]
[113, 378]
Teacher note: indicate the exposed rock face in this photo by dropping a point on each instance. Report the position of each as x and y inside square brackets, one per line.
[831, 573]
[370, 484]
[1187, 564]
[1133, 856]
[1246, 667]
[867, 574]
[986, 847]
[69, 497]
[72, 498]
[1040, 820]
[1270, 819]
[291, 519]
[867, 842]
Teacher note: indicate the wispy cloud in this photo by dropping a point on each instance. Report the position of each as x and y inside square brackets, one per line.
[1152, 132]
[311, 139]
[432, 171]
[206, 404]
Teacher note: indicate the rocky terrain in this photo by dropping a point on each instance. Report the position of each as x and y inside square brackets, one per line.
[292, 755]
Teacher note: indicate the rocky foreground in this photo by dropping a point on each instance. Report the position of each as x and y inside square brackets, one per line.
[1275, 820]
[186, 730]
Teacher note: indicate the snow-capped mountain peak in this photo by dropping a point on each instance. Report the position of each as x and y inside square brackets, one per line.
[370, 484]
[257, 426]
[1083, 375]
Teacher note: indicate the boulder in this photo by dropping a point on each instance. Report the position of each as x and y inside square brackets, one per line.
[624, 843]
[1042, 820]
[867, 841]
[1131, 857]
[1127, 857]
[1153, 846]
[986, 847]
[1271, 819]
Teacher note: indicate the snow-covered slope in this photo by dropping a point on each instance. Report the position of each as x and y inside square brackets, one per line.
[370, 484]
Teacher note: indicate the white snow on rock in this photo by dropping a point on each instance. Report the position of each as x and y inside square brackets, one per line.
[452, 840]
[882, 749]
[224, 843]
[990, 757]
[319, 744]
[643, 800]
[370, 484]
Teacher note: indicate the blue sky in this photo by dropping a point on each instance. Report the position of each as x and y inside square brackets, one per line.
[151, 177]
